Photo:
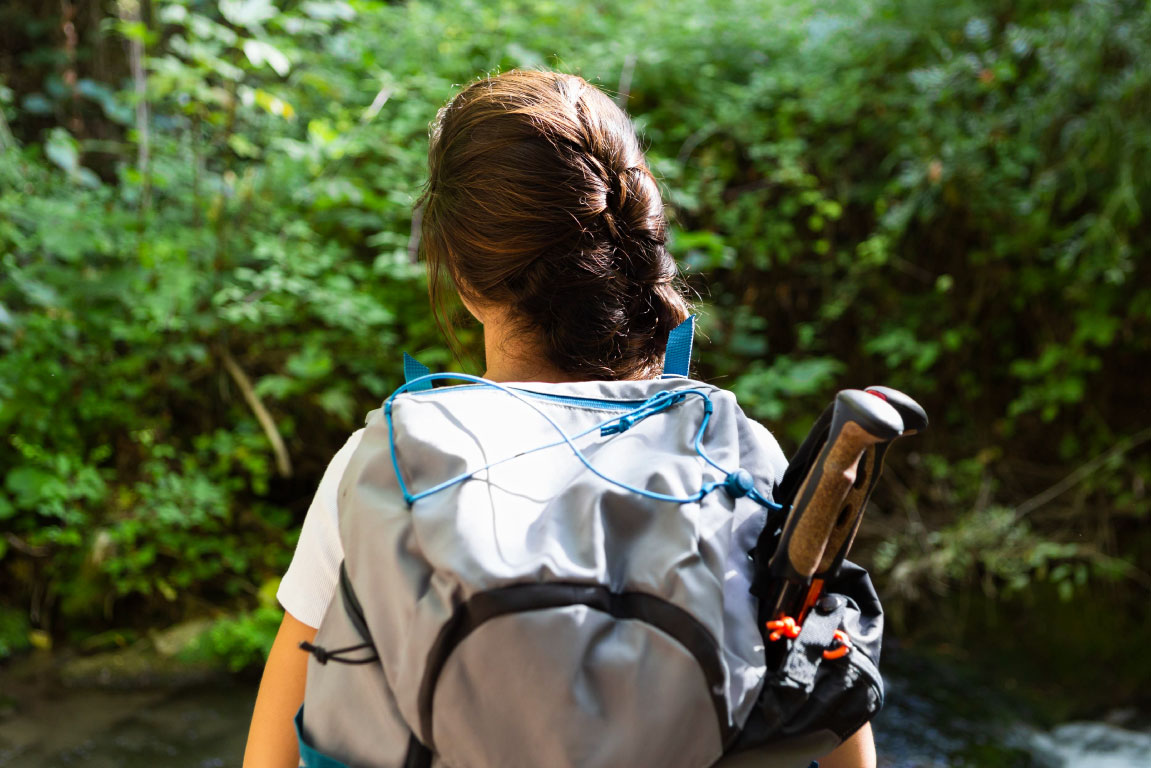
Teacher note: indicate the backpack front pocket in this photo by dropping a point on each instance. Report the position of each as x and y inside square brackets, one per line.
[568, 675]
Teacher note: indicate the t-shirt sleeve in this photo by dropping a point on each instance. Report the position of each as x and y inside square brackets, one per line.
[310, 581]
[770, 445]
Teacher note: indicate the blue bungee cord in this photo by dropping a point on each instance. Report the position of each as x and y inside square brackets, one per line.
[738, 483]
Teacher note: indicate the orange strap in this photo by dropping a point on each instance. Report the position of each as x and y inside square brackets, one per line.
[844, 647]
[785, 626]
[813, 593]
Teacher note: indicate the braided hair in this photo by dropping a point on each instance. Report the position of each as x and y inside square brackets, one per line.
[539, 200]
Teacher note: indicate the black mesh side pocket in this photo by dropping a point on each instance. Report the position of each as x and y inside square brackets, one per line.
[806, 693]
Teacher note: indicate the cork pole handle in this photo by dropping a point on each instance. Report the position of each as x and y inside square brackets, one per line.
[867, 476]
[860, 420]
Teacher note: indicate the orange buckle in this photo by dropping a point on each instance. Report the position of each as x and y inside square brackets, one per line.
[843, 648]
[783, 627]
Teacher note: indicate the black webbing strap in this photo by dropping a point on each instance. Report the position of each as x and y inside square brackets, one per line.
[418, 755]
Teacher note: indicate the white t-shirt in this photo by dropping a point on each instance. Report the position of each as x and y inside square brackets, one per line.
[310, 582]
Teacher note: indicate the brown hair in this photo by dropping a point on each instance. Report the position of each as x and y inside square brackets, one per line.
[539, 200]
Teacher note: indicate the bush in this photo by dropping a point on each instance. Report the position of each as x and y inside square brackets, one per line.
[945, 198]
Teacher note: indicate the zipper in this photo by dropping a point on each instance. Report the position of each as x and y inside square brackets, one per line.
[583, 402]
[684, 628]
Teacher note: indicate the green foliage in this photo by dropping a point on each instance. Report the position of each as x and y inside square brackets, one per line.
[14, 628]
[133, 460]
[999, 546]
[241, 641]
[946, 198]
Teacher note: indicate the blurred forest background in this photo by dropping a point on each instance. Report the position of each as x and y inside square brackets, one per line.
[208, 274]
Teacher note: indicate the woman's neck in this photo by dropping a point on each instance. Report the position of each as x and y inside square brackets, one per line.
[510, 356]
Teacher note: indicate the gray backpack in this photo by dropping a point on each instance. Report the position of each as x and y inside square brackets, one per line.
[555, 575]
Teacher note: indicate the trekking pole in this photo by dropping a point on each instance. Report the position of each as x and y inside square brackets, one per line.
[858, 421]
[870, 468]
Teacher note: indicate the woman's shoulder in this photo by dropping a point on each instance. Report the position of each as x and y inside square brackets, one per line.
[341, 458]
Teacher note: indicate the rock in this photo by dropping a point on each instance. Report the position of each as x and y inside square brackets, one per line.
[171, 641]
[1091, 745]
[138, 666]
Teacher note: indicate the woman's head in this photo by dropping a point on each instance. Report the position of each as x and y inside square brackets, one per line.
[540, 205]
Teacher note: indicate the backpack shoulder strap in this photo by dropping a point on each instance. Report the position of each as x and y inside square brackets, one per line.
[414, 369]
[677, 358]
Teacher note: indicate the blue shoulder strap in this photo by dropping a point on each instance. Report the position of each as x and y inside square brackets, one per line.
[677, 358]
[414, 369]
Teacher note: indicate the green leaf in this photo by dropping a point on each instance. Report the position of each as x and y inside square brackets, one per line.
[247, 13]
[63, 150]
[260, 53]
[37, 104]
[322, 131]
[309, 363]
[339, 403]
[166, 590]
[135, 30]
[328, 11]
[173, 14]
[276, 386]
[114, 108]
[86, 177]
[243, 146]
[274, 104]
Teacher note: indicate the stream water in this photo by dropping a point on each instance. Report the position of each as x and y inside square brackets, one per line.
[932, 719]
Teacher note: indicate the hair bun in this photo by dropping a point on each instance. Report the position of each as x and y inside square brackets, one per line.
[539, 199]
[617, 190]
